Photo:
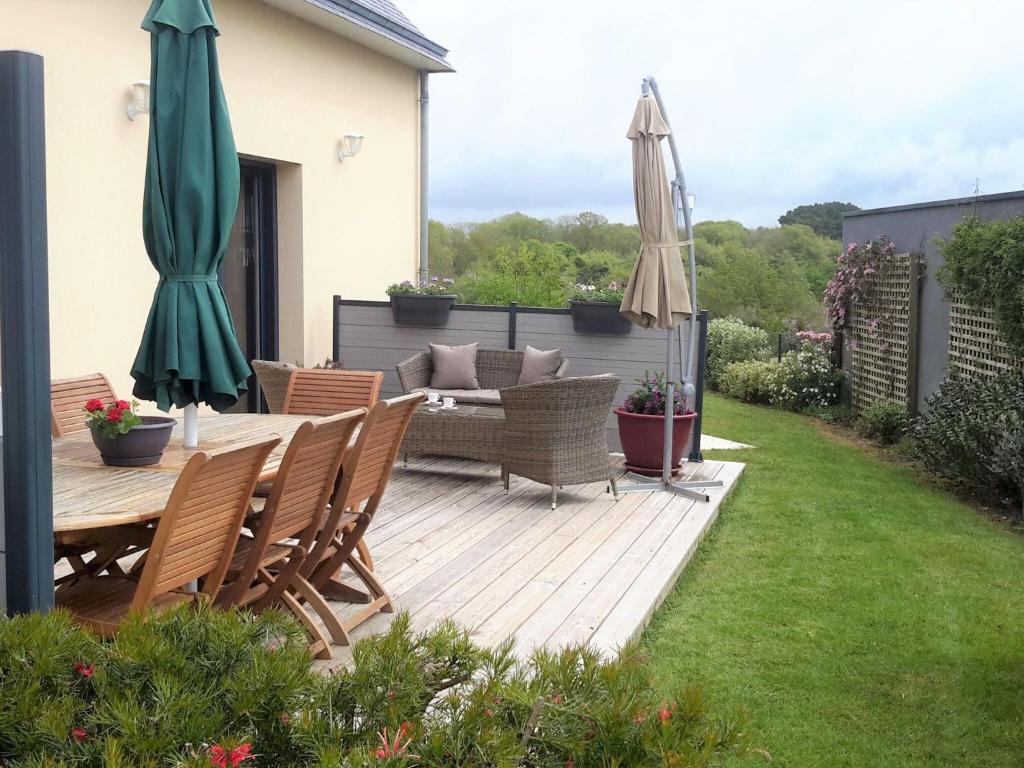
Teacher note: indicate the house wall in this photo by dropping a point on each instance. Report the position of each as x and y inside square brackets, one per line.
[915, 229]
[293, 89]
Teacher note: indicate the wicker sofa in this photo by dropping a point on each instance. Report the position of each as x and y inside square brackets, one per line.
[496, 369]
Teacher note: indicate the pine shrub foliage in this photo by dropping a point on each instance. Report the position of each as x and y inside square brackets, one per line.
[194, 688]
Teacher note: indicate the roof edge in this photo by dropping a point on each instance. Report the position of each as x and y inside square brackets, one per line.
[360, 14]
[953, 201]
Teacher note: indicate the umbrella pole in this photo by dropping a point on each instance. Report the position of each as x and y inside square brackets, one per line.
[191, 426]
[690, 489]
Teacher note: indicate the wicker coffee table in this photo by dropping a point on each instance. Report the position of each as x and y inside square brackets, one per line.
[467, 431]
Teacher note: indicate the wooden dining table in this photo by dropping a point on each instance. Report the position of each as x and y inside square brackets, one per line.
[88, 495]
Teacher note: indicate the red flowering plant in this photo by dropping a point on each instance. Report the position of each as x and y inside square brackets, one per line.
[111, 420]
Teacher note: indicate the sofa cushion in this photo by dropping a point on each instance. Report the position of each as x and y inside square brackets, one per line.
[539, 365]
[467, 396]
[454, 367]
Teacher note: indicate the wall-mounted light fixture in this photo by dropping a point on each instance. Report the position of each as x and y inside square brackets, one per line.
[139, 104]
[349, 145]
[691, 200]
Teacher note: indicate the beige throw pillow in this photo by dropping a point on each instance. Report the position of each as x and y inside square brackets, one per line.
[454, 367]
[539, 365]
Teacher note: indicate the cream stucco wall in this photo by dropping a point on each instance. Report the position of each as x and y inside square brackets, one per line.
[293, 90]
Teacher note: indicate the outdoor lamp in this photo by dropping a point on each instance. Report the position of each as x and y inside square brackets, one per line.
[139, 104]
[691, 200]
[349, 145]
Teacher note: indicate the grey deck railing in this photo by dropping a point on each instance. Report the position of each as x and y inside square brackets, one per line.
[367, 338]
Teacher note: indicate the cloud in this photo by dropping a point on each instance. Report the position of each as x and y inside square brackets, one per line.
[773, 104]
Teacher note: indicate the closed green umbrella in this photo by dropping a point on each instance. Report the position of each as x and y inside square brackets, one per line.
[189, 352]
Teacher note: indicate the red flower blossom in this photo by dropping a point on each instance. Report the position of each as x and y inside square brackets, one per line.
[221, 758]
[114, 415]
[285, 718]
[382, 754]
[94, 405]
[85, 670]
[556, 699]
[79, 735]
[569, 763]
[240, 754]
[639, 717]
[123, 405]
[664, 714]
[488, 713]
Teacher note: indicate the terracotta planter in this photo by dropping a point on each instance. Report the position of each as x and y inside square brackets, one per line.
[642, 438]
[143, 445]
[598, 317]
[424, 311]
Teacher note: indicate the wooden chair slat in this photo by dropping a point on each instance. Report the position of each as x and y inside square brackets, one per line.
[323, 393]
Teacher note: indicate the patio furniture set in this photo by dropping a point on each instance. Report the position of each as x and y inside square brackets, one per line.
[270, 510]
[515, 408]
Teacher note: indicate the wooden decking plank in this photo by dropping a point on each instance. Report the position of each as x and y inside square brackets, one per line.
[636, 605]
[577, 591]
[508, 617]
[494, 556]
[578, 534]
[446, 542]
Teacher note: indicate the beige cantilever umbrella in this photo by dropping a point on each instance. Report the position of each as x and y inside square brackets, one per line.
[656, 294]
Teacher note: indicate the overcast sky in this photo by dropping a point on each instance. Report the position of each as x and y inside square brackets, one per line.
[773, 104]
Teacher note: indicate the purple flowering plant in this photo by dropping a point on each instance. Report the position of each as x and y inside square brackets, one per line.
[435, 286]
[650, 398]
[855, 277]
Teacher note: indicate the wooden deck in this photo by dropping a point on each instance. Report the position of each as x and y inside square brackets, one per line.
[448, 542]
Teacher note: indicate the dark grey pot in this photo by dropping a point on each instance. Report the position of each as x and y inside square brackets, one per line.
[426, 311]
[143, 445]
[598, 317]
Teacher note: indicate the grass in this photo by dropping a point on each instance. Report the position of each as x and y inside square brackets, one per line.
[863, 617]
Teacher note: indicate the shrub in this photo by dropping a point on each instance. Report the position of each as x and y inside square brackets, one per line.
[804, 378]
[984, 263]
[748, 380]
[732, 341]
[973, 434]
[884, 421]
[831, 414]
[199, 687]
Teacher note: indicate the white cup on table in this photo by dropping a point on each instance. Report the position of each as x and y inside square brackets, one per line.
[433, 397]
[449, 402]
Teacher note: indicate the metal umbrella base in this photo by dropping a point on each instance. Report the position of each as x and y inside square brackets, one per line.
[690, 489]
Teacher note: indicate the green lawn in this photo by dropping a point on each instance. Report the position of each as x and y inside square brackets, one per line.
[863, 618]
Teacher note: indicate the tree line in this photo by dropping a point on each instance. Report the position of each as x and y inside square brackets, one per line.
[772, 277]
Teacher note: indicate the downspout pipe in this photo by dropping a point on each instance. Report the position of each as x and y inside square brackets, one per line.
[424, 270]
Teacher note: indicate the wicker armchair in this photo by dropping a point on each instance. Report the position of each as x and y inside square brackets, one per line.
[273, 378]
[555, 432]
[495, 369]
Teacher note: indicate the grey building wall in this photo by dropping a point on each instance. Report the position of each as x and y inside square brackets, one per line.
[368, 339]
[914, 228]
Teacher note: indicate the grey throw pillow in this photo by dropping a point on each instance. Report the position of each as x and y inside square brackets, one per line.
[539, 365]
[454, 367]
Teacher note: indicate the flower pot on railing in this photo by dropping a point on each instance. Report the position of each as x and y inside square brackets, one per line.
[421, 310]
[598, 317]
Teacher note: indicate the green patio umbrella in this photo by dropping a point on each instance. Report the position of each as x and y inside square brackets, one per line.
[189, 352]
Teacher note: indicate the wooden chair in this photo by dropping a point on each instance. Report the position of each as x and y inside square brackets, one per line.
[69, 396]
[265, 566]
[194, 539]
[365, 474]
[314, 392]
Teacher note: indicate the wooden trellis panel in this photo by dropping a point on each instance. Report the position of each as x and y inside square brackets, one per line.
[883, 337]
[975, 347]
